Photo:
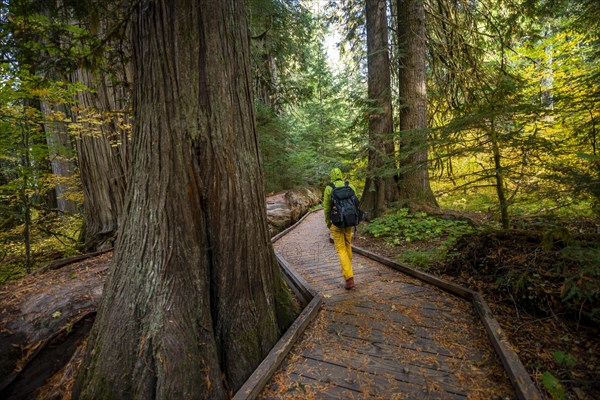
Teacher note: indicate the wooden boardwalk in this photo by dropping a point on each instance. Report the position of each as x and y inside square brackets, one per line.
[392, 337]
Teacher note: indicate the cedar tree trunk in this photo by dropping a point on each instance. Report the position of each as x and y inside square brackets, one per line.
[103, 159]
[379, 189]
[413, 184]
[103, 146]
[196, 299]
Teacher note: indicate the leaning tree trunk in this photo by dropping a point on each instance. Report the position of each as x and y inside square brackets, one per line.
[413, 184]
[196, 299]
[379, 186]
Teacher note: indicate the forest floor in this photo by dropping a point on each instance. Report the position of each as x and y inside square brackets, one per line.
[516, 272]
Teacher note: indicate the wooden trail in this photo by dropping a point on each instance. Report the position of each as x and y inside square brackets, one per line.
[392, 337]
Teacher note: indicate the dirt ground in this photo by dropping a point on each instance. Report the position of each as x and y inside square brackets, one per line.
[551, 339]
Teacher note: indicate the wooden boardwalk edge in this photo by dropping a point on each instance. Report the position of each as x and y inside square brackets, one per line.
[310, 299]
[449, 287]
[303, 290]
[518, 375]
[263, 373]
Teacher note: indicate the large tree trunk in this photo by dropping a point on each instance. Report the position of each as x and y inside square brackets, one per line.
[195, 299]
[379, 186]
[103, 146]
[103, 160]
[40, 348]
[413, 184]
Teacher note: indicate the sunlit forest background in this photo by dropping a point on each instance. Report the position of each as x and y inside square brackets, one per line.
[515, 80]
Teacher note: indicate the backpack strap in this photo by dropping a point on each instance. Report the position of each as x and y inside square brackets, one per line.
[347, 183]
[331, 184]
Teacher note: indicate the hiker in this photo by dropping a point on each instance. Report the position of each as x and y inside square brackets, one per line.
[342, 236]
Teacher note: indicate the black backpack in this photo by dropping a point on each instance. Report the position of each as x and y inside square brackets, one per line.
[344, 206]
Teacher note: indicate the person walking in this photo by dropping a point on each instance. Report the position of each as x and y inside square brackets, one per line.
[342, 237]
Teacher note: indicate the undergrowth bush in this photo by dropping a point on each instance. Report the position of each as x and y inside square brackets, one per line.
[51, 238]
[402, 227]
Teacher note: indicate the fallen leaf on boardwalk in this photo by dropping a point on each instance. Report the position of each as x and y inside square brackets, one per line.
[327, 296]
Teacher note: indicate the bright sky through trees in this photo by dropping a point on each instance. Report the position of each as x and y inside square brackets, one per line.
[332, 36]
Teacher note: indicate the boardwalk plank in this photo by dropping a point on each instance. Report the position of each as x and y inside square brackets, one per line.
[365, 383]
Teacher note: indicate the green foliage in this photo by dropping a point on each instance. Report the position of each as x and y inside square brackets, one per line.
[42, 38]
[402, 227]
[307, 129]
[51, 237]
[530, 92]
[553, 386]
[26, 180]
[564, 359]
[423, 259]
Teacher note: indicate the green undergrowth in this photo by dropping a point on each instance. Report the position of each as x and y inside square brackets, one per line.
[53, 239]
[426, 240]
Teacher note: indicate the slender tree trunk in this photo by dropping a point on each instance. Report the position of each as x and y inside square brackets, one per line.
[379, 189]
[499, 176]
[413, 184]
[195, 300]
[25, 199]
[27, 234]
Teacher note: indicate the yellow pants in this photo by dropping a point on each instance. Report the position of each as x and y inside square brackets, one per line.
[342, 238]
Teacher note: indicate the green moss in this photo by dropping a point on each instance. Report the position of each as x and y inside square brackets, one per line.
[287, 307]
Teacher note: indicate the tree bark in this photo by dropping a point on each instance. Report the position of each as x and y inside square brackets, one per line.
[103, 161]
[413, 184]
[499, 175]
[60, 151]
[285, 208]
[195, 299]
[103, 146]
[379, 186]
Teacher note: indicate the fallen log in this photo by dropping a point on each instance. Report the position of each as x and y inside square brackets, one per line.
[285, 208]
[45, 317]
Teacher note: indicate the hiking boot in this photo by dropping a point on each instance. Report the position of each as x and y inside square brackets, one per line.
[349, 283]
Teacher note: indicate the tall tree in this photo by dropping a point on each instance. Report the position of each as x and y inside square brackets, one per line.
[195, 299]
[379, 186]
[414, 176]
[30, 41]
[103, 153]
[103, 143]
